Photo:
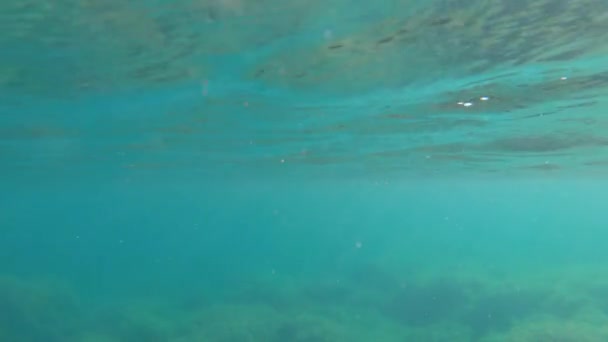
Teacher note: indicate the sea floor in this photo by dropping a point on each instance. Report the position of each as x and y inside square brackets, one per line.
[365, 304]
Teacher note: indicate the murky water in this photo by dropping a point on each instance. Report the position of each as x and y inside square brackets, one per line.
[233, 170]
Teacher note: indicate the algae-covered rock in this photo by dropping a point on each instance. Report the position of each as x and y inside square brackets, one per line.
[36, 311]
[309, 328]
[440, 332]
[422, 304]
[226, 323]
[141, 321]
[552, 330]
[93, 337]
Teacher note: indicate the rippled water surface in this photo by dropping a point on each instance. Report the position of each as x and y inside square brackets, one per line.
[396, 87]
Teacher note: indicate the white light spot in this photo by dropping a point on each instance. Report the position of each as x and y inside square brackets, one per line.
[461, 103]
[467, 104]
[282, 161]
[78, 236]
[358, 244]
[484, 98]
[327, 34]
[121, 241]
[245, 104]
[563, 78]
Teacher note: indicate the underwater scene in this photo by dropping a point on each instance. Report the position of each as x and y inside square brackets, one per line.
[304, 170]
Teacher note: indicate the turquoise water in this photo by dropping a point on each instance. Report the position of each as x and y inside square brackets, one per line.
[232, 170]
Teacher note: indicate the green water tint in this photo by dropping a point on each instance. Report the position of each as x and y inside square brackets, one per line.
[354, 308]
[233, 170]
